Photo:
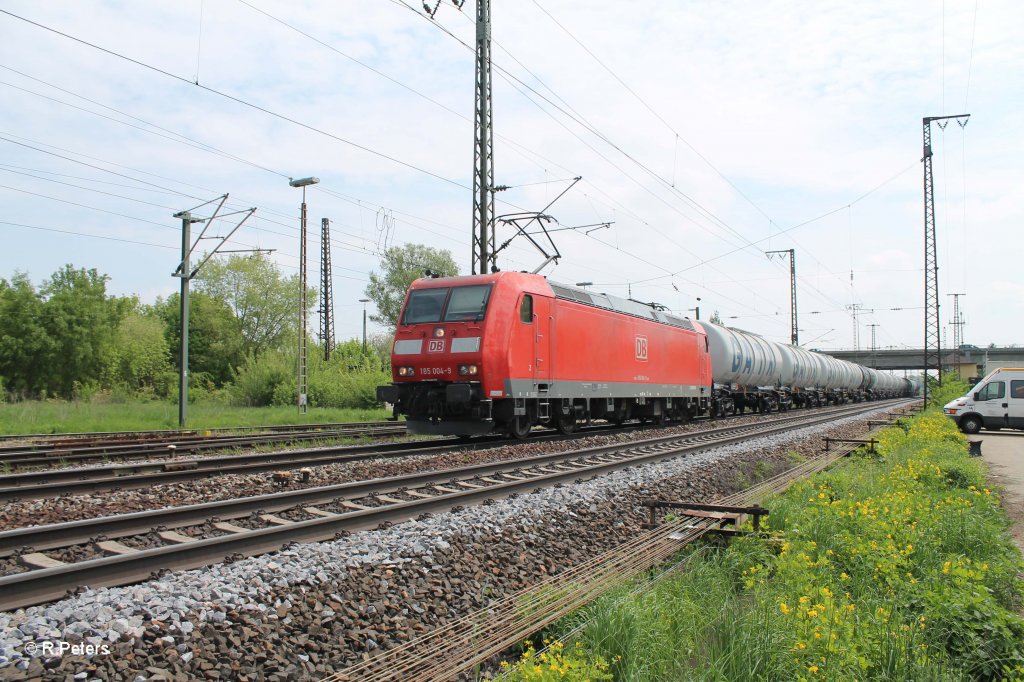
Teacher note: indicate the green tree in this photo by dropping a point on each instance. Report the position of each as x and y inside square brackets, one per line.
[25, 348]
[215, 343]
[142, 357]
[81, 321]
[400, 266]
[265, 303]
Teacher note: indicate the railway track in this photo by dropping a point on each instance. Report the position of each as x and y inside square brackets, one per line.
[38, 455]
[56, 482]
[51, 483]
[314, 514]
[98, 437]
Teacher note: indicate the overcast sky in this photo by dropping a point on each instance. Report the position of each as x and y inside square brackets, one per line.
[706, 133]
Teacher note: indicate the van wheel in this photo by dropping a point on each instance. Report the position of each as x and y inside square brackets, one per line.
[970, 424]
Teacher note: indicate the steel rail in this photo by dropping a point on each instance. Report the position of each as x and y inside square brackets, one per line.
[47, 584]
[114, 436]
[464, 643]
[56, 455]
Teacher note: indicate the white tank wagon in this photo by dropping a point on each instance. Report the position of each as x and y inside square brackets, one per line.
[745, 368]
[750, 372]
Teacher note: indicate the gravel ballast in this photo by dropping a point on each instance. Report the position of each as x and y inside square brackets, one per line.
[314, 609]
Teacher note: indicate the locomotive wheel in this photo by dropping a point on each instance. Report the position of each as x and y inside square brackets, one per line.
[565, 423]
[519, 427]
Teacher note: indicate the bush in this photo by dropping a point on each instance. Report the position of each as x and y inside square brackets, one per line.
[336, 387]
[259, 382]
[349, 380]
[952, 388]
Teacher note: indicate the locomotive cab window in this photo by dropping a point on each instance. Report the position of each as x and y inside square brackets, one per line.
[526, 309]
[467, 304]
[425, 305]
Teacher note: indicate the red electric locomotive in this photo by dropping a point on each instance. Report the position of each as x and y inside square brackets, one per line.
[509, 350]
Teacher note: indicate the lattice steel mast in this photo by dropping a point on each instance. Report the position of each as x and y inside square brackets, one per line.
[932, 324]
[793, 331]
[958, 334]
[483, 145]
[326, 290]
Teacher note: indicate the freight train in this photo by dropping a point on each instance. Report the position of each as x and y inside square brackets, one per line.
[506, 351]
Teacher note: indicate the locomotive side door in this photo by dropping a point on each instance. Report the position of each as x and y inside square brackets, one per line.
[704, 353]
[542, 340]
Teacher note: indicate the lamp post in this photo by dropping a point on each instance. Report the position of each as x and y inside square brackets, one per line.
[301, 399]
[696, 310]
[364, 301]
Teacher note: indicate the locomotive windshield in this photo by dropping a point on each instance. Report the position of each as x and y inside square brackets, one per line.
[425, 305]
[465, 303]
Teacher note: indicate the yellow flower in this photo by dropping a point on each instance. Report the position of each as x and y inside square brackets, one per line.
[813, 669]
[784, 608]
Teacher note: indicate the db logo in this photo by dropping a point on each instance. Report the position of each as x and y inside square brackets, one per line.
[435, 346]
[641, 348]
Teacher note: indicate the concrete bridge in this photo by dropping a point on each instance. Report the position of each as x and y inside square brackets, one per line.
[970, 362]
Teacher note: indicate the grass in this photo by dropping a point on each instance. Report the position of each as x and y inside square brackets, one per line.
[53, 416]
[896, 566]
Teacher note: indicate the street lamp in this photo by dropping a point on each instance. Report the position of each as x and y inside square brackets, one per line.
[696, 310]
[303, 183]
[364, 301]
[584, 284]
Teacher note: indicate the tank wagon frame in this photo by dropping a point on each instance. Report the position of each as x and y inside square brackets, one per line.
[508, 350]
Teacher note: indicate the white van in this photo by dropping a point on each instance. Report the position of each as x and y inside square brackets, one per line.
[996, 402]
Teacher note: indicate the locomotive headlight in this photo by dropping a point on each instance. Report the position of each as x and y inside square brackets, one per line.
[406, 371]
[468, 370]
[438, 332]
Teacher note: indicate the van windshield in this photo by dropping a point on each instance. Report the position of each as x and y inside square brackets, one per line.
[466, 303]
